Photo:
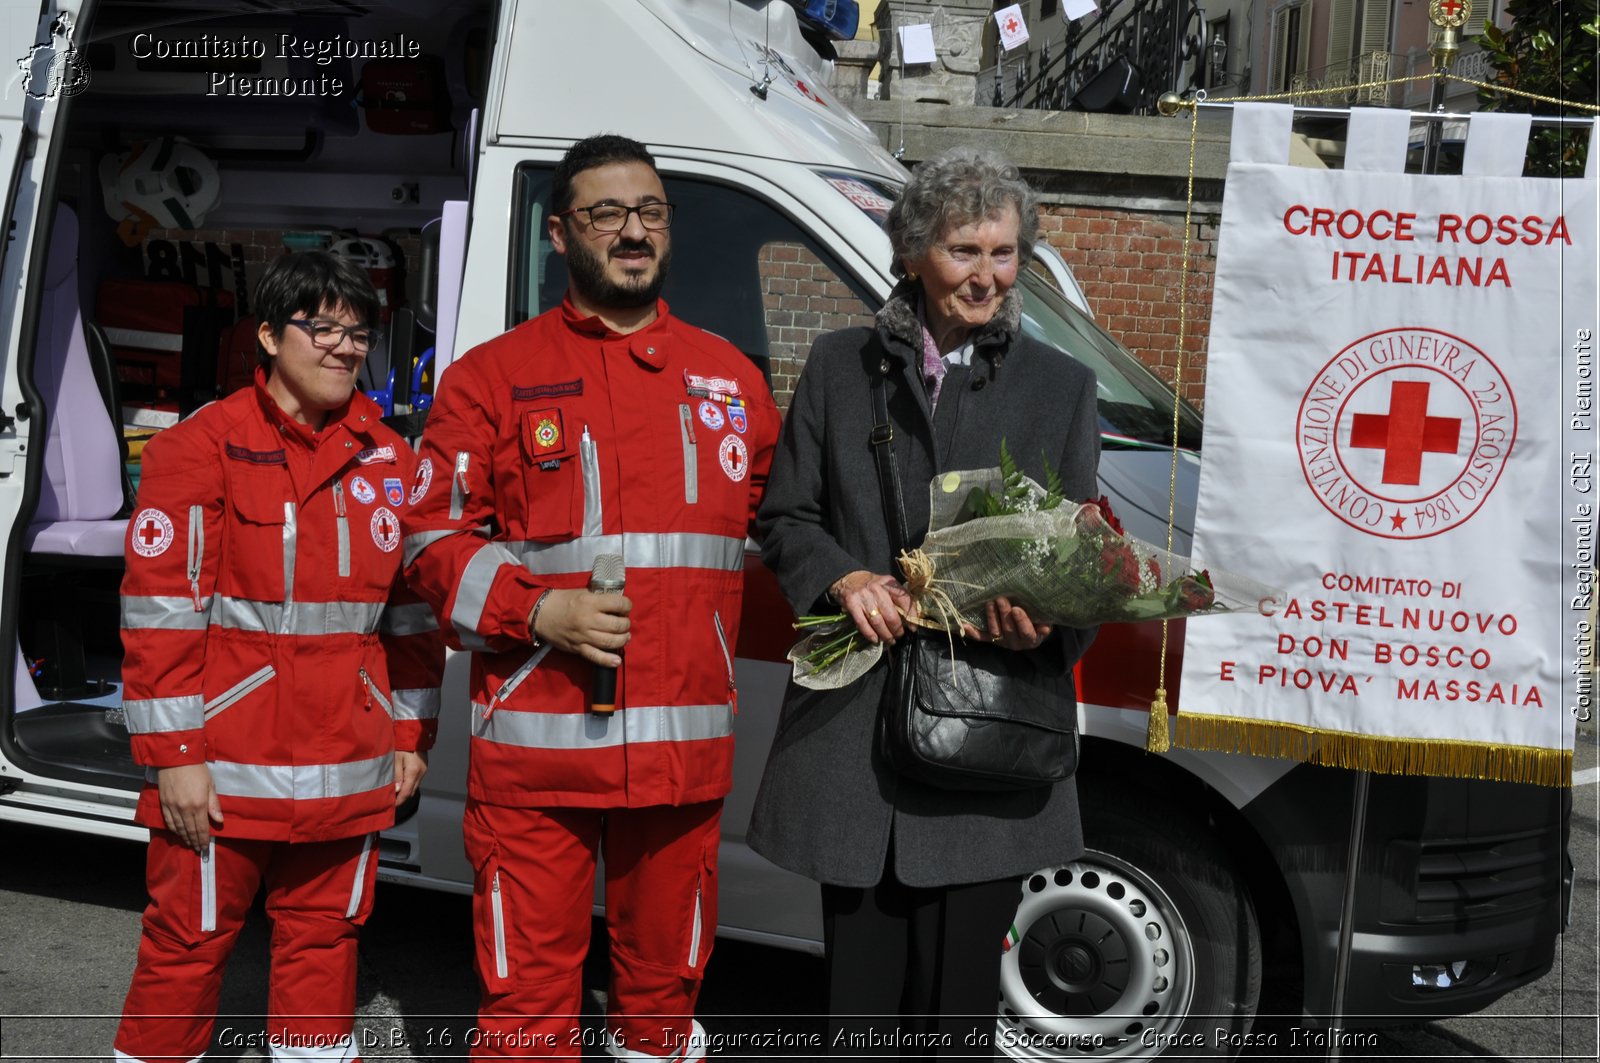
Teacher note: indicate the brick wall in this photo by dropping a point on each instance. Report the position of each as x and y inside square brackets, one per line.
[1130, 266]
[803, 299]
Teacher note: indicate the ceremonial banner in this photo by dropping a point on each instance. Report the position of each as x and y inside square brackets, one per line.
[1399, 432]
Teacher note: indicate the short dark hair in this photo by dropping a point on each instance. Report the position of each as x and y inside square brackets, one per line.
[588, 154]
[303, 282]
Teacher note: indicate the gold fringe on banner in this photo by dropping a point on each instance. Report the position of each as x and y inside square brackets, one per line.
[1376, 753]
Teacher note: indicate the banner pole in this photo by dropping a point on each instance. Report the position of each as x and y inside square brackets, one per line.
[1347, 910]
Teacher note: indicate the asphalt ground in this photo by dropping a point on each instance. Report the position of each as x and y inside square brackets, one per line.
[69, 914]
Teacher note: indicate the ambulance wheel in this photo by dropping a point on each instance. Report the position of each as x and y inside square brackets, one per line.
[1146, 945]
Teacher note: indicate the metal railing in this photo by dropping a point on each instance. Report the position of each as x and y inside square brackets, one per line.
[1136, 48]
[1357, 70]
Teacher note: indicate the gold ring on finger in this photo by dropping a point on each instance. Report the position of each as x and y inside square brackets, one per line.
[872, 612]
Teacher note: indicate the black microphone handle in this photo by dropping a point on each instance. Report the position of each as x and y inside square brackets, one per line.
[604, 696]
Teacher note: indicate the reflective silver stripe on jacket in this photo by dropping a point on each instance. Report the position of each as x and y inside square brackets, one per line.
[593, 518]
[723, 553]
[160, 612]
[414, 545]
[585, 730]
[420, 703]
[301, 782]
[290, 535]
[297, 618]
[152, 715]
[473, 592]
[240, 690]
[414, 618]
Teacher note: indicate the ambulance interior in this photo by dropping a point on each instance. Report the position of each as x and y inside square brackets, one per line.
[172, 192]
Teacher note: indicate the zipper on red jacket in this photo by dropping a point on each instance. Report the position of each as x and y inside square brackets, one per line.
[458, 485]
[197, 552]
[515, 679]
[727, 658]
[691, 463]
[343, 527]
[375, 691]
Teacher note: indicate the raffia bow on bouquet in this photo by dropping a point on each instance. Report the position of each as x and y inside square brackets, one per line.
[995, 533]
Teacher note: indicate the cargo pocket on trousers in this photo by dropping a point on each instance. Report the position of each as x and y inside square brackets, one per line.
[702, 928]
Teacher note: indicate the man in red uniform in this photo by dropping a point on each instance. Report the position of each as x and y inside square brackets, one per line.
[605, 426]
[281, 682]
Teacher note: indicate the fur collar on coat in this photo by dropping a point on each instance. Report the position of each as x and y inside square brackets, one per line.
[900, 322]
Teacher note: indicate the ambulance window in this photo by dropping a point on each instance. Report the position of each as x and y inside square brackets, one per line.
[740, 269]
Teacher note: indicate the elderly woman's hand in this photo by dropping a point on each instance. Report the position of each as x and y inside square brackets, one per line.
[875, 602]
[1009, 626]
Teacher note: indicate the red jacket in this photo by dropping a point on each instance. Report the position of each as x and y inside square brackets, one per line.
[297, 701]
[546, 447]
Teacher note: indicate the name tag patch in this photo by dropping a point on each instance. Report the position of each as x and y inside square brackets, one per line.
[257, 457]
[547, 391]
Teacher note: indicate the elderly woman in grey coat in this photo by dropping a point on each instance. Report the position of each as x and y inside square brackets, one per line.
[919, 884]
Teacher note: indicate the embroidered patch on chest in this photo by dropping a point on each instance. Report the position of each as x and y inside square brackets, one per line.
[362, 491]
[376, 454]
[385, 529]
[738, 418]
[735, 457]
[152, 533]
[394, 489]
[711, 415]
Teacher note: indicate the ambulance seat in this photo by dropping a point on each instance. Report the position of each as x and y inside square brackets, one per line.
[82, 491]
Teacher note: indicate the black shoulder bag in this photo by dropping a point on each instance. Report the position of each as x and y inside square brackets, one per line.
[985, 718]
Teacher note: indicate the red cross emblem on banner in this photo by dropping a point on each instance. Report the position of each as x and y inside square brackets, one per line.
[1011, 24]
[1406, 432]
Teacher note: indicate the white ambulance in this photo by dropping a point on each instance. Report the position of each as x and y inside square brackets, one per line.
[154, 156]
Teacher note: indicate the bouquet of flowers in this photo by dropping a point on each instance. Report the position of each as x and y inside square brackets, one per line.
[996, 533]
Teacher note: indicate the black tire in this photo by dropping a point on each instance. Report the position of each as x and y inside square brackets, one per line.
[1149, 943]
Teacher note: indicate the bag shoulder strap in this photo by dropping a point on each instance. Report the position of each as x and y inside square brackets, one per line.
[882, 438]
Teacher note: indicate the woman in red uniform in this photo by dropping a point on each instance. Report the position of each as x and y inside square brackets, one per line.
[281, 684]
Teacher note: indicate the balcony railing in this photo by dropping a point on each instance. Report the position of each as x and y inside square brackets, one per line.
[1359, 70]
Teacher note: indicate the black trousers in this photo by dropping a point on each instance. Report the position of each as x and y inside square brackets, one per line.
[914, 972]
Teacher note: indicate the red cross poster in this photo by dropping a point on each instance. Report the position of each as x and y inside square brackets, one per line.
[1399, 434]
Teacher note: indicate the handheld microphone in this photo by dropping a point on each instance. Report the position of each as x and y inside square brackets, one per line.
[607, 578]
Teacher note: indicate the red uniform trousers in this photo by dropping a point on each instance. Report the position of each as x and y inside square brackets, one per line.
[534, 891]
[318, 895]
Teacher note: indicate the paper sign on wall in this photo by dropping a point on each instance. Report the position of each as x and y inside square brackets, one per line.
[916, 44]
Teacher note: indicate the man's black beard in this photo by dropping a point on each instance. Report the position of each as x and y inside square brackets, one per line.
[586, 272]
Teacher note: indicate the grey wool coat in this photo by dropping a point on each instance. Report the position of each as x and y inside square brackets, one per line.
[828, 806]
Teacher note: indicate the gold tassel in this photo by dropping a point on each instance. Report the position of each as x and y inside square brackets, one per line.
[1384, 755]
[1158, 741]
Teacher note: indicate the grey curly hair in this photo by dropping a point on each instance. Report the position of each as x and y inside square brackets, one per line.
[957, 187]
